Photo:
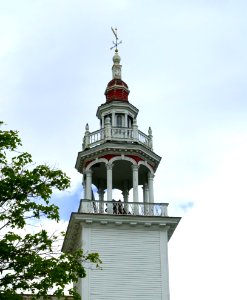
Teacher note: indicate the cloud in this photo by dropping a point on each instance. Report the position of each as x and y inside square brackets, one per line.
[186, 206]
[68, 201]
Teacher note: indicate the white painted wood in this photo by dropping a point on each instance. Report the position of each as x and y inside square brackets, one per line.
[109, 182]
[135, 182]
[134, 264]
[88, 191]
[84, 284]
[164, 264]
[150, 187]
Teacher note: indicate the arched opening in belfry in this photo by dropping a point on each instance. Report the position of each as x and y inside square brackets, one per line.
[122, 175]
[99, 176]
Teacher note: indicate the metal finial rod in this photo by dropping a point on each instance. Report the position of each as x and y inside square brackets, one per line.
[115, 43]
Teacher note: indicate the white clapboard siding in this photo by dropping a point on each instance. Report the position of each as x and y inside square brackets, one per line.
[131, 268]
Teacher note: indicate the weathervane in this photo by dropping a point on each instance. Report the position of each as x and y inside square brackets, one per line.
[116, 43]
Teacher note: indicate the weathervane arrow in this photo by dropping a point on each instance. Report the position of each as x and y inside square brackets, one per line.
[115, 43]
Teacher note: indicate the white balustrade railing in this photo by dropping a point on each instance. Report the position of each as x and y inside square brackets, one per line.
[121, 133]
[143, 138]
[95, 138]
[123, 208]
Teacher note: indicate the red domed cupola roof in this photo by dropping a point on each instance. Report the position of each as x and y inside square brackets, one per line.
[117, 89]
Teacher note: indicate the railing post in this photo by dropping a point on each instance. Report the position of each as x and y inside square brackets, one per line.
[164, 210]
[86, 137]
[84, 206]
[135, 130]
[150, 138]
[107, 128]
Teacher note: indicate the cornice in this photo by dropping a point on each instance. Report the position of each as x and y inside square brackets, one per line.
[80, 220]
[117, 148]
[116, 104]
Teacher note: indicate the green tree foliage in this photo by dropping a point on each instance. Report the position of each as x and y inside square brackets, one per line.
[29, 262]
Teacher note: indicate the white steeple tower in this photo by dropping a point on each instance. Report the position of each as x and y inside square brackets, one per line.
[130, 236]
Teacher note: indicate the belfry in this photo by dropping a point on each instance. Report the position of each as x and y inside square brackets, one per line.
[130, 234]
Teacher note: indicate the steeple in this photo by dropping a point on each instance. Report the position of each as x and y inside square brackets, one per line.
[130, 234]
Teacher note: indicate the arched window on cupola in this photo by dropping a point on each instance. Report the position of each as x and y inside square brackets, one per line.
[130, 122]
[119, 118]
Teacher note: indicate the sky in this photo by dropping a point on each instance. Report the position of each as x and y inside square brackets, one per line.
[185, 64]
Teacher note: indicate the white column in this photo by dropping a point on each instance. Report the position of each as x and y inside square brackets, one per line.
[135, 187]
[145, 192]
[83, 204]
[135, 182]
[109, 182]
[101, 193]
[113, 120]
[125, 194]
[88, 185]
[102, 120]
[145, 198]
[125, 120]
[109, 188]
[84, 186]
[151, 191]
